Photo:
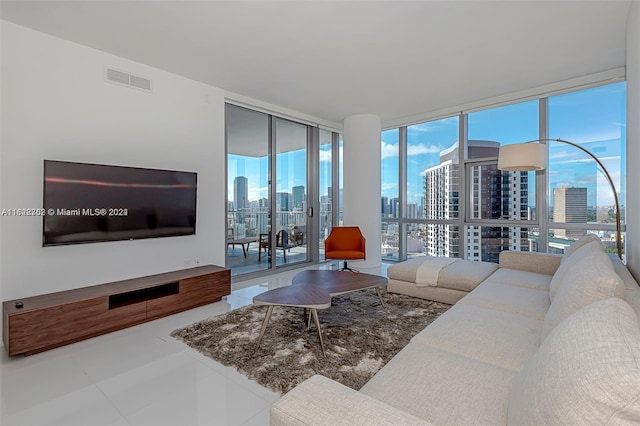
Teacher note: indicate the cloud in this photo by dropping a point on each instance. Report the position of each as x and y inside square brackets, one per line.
[325, 155]
[432, 126]
[388, 186]
[389, 150]
[421, 148]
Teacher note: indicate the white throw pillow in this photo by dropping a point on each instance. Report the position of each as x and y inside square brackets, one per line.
[586, 372]
[568, 262]
[588, 279]
[579, 243]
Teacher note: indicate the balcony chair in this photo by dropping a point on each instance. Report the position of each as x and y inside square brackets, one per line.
[298, 235]
[282, 242]
[345, 243]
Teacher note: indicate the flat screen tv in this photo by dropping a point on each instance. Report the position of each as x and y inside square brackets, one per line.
[86, 203]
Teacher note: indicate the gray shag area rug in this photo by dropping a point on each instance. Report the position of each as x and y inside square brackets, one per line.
[360, 337]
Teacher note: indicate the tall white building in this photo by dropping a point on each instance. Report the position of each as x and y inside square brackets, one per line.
[494, 194]
[570, 206]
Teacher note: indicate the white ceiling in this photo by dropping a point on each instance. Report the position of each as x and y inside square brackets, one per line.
[332, 59]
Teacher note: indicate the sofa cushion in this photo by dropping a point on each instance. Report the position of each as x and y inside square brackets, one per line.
[632, 297]
[559, 277]
[507, 298]
[495, 337]
[630, 283]
[520, 278]
[405, 271]
[586, 371]
[540, 263]
[322, 401]
[569, 251]
[442, 388]
[463, 275]
[589, 279]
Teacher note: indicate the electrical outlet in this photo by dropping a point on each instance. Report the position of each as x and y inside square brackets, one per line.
[197, 261]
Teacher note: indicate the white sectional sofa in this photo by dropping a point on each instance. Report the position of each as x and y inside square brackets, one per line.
[542, 340]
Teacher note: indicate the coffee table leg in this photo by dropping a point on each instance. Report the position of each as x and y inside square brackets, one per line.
[315, 317]
[380, 297]
[264, 325]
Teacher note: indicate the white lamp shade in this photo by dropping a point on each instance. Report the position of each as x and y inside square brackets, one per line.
[522, 157]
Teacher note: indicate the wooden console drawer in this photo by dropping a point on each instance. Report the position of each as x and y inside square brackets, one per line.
[47, 328]
[35, 324]
[196, 291]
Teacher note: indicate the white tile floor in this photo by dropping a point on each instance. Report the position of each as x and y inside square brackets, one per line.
[138, 376]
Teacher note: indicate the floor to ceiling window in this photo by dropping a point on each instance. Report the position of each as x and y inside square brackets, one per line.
[432, 188]
[579, 191]
[497, 196]
[279, 174]
[291, 192]
[325, 192]
[468, 208]
[248, 198]
[390, 203]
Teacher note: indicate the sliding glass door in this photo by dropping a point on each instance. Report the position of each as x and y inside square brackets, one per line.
[280, 195]
[291, 186]
[325, 189]
[248, 195]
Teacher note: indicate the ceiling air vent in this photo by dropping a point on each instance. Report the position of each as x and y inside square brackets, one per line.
[125, 79]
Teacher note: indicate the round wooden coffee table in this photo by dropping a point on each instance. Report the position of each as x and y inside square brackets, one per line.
[339, 282]
[308, 296]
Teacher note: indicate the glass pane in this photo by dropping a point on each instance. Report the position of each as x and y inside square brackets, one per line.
[429, 148]
[498, 194]
[291, 192]
[559, 244]
[442, 240]
[341, 188]
[416, 239]
[390, 240]
[488, 130]
[579, 191]
[326, 203]
[389, 173]
[486, 242]
[247, 192]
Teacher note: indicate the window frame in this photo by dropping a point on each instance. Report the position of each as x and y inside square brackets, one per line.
[541, 222]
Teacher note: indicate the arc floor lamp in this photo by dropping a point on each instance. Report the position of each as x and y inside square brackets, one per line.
[532, 155]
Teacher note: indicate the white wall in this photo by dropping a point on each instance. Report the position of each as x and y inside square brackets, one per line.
[633, 140]
[56, 105]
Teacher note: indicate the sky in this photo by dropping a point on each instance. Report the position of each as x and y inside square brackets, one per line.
[594, 117]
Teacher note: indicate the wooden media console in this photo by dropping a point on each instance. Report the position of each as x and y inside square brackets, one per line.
[56, 319]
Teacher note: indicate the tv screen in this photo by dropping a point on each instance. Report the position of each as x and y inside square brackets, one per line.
[85, 203]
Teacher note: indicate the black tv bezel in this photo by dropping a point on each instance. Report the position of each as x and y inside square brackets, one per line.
[71, 243]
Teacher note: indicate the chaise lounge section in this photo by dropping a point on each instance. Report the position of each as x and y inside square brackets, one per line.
[544, 339]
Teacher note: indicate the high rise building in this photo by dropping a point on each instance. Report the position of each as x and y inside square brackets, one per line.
[298, 197]
[241, 192]
[412, 211]
[384, 206]
[570, 206]
[394, 205]
[283, 201]
[494, 194]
